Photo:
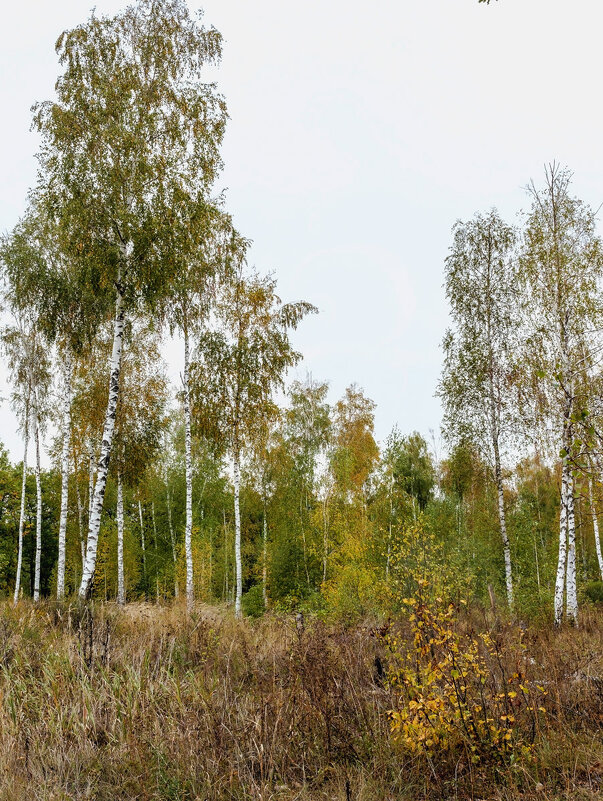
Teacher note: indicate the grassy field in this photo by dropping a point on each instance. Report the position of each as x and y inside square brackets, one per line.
[147, 703]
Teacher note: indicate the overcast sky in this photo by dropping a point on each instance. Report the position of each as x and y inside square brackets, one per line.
[359, 132]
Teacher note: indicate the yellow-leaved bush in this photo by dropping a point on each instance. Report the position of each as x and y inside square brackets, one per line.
[453, 692]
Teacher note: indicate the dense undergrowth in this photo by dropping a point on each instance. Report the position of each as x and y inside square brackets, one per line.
[147, 703]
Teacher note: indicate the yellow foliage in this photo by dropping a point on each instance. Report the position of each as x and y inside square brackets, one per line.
[452, 692]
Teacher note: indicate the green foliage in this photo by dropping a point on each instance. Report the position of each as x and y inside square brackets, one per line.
[594, 591]
[253, 601]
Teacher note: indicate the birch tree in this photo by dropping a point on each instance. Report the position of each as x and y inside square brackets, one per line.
[237, 369]
[204, 244]
[132, 130]
[476, 382]
[561, 267]
[29, 372]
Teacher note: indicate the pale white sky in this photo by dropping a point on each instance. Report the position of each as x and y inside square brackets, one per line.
[358, 134]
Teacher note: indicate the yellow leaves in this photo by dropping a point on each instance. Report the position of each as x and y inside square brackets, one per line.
[449, 691]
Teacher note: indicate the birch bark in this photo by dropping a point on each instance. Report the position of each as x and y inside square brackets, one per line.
[22, 511]
[143, 545]
[121, 585]
[503, 524]
[570, 580]
[188, 467]
[238, 562]
[107, 442]
[265, 559]
[64, 478]
[595, 528]
[562, 558]
[36, 591]
[172, 538]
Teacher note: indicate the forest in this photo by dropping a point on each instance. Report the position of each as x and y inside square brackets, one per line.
[229, 588]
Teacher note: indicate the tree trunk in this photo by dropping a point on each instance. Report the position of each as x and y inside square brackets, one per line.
[265, 559]
[188, 467]
[121, 586]
[560, 579]
[80, 518]
[595, 528]
[36, 591]
[503, 523]
[143, 546]
[325, 539]
[105, 455]
[64, 479]
[155, 554]
[172, 539]
[238, 562]
[572, 596]
[22, 512]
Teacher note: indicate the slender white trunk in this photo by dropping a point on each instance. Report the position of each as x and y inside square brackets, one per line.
[91, 473]
[106, 445]
[239, 565]
[265, 559]
[36, 591]
[22, 512]
[80, 514]
[172, 538]
[155, 549]
[560, 579]
[572, 596]
[494, 432]
[121, 586]
[325, 539]
[64, 479]
[143, 545]
[188, 467]
[503, 527]
[595, 528]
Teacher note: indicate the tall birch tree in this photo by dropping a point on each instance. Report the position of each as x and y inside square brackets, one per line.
[237, 369]
[133, 128]
[561, 269]
[204, 245]
[479, 351]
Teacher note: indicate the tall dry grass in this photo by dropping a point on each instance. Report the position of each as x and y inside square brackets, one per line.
[146, 703]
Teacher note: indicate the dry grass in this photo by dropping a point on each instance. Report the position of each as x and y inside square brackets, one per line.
[146, 703]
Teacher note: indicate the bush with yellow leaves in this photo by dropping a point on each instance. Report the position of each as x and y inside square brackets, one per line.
[453, 693]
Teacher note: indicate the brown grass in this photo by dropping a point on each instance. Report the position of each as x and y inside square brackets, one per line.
[146, 703]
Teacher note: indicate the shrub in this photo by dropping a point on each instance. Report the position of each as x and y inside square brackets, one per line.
[253, 601]
[453, 693]
[594, 591]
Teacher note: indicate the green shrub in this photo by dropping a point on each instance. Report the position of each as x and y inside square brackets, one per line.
[594, 592]
[253, 601]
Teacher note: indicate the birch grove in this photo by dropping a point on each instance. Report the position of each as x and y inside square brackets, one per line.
[245, 485]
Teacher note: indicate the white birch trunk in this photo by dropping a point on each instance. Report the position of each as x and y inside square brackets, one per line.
[572, 596]
[121, 586]
[155, 549]
[172, 539]
[80, 517]
[36, 591]
[562, 558]
[325, 540]
[143, 544]
[22, 512]
[265, 559]
[596, 528]
[503, 528]
[238, 562]
[106, 445]
[64, 479]
[188, 467]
